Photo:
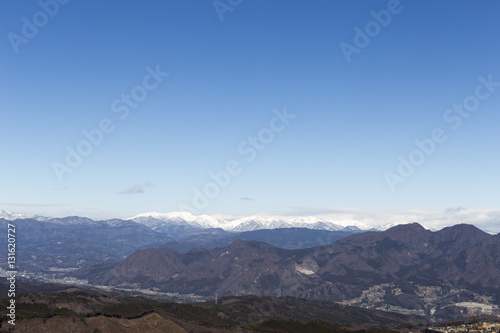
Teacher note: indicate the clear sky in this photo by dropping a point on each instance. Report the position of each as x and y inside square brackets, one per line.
[361, 91]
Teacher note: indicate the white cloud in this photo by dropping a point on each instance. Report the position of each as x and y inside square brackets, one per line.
[136, 188]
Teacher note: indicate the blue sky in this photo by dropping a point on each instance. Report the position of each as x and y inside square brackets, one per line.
[352, 120]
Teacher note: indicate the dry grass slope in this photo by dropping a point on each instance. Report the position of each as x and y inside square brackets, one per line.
[152, 323]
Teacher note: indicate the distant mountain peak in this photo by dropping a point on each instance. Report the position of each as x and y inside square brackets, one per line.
[462, 232]
[414, 226]
[10, 216]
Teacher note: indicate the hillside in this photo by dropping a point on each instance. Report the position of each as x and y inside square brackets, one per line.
[92, 311]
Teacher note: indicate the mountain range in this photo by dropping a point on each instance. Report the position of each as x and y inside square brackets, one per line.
[158, 221]
[52, 245]
[179, 221]
[406, 268]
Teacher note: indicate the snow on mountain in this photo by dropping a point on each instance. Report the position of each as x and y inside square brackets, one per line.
[251, 223]
[14, 216]
[273, 222]
[324, 225]
[248, 226]
[309, 222]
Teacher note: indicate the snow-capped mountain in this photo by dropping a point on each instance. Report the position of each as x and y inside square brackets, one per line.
[10, 216]
[179, 220]
[251, 223]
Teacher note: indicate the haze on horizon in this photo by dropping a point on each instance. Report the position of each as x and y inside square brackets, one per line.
[291, 108]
